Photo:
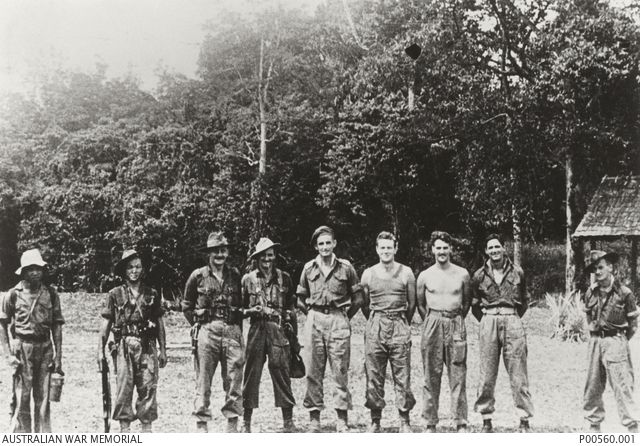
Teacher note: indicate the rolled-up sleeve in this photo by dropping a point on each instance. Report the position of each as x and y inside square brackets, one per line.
[6, 306]
[352, 280]
[190, 293]
[303, 286]
[108, 308]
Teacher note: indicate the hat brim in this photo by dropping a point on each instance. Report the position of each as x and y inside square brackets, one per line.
[610, 256]
[252, 256]
[122, 263]
[209, 248]
[40, 264]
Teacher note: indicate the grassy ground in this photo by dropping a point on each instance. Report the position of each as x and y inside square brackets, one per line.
[556, 372]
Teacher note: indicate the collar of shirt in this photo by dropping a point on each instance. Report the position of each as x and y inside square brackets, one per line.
[614, 287]
[334, 261]
[226, 272]
[506, 268]
[268, 280]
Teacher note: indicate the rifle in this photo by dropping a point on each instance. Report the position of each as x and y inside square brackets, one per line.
[194, 332]
[106, 392]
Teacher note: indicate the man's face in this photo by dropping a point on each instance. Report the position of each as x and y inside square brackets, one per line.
[325, 245]
[134, 270]
[441, 251]
[218, 256]
[266, 259]
[33, 274]
[495, 251]
[386, 250]
[603, 270]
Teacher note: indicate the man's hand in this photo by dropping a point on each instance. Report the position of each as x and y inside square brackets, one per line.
[162, 359]
[100, 358]
[253, 310]
[14, 363]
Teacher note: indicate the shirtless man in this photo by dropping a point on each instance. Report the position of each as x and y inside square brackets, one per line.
[444, 298]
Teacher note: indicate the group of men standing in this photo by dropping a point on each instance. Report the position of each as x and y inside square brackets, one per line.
[218, 298]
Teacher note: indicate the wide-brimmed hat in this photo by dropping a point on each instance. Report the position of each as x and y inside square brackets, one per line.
[319, 231]
[127, 255]
[29, 258]
[596, 255]
[263, 244]
[215, 240]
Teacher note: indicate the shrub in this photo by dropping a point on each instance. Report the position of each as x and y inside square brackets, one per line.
[567, 317]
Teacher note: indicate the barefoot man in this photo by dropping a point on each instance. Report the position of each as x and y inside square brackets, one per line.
[444, 299]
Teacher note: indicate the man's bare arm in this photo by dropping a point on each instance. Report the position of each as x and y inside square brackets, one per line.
[421, 299]
[364, 281]
[411, 297]
[466, 293]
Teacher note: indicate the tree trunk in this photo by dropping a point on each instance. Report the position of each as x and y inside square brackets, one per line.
[517, 238]
[570, 265]
[633, 265]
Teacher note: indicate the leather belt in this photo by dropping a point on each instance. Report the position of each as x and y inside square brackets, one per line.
[326, 309]
[31, 338]
[606, 333]
[504, 311]
[445, 313]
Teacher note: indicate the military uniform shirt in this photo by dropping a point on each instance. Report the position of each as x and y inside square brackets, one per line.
[203, 290]
[613, 310]
[511, 292]
[336, 288]
[275, 291]
[121, 308]
[17, 304]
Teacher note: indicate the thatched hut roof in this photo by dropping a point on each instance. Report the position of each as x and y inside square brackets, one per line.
[614, 210]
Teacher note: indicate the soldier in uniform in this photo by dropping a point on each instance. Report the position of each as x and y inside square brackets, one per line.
[389, 303]
[213, 306]
[444, 298]
[133, 313]
[330, 294]
[33, 311]
[612, 316]
[499, 302]
[269, 299]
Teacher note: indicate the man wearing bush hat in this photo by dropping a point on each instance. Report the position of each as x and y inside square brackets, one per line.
[269, 299]
[612, 316]
[330, 293]
[133, 313]
[213, 306]
[34, 309]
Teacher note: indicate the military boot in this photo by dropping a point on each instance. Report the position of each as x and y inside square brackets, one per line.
[246, 421]
[314, 416]
[232, 425]
[431, 429]
[125, 426]
[524, 426]
[288, 425]
[342, 421]
[374, 427]
[633, 428]
[201, 427]
[146, 427]
[487, 427]
[595, 427]
[405, 426]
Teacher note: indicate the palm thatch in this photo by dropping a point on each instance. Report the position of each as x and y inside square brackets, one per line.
[614, 210]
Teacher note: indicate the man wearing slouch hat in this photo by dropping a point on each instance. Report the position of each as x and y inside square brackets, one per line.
[612, 315]
[213, 306]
